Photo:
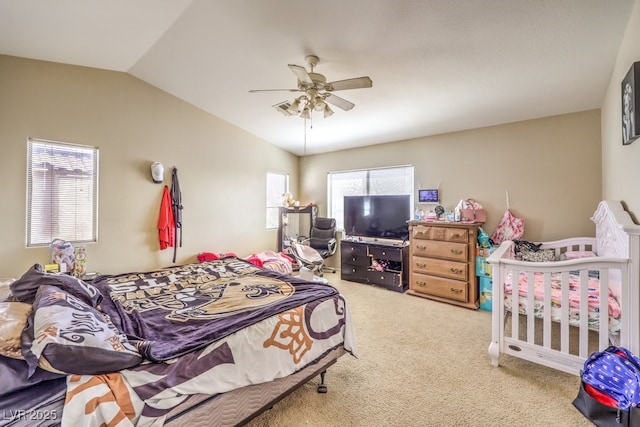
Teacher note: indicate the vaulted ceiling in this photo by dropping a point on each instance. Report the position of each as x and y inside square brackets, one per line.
[437, 66]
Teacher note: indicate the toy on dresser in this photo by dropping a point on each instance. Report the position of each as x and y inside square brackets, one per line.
[62, 255]
[80, 264]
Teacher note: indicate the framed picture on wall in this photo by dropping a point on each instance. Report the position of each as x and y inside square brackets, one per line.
[630, 103]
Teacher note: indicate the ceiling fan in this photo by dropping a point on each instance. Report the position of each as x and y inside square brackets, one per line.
[316, 92]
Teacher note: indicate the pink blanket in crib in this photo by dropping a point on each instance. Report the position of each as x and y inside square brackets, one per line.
[556, 291]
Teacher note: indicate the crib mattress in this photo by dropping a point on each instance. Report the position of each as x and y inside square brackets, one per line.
[593, 284]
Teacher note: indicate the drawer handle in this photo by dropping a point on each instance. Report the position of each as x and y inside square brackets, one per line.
[456, 251]
[456, 290]
[421, 283]
[457, 270]
[422, 248]
[353, 258]
[456, 236]
[421, 265]
[384, 253]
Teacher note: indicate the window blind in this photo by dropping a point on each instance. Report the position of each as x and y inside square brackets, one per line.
[62, 192]
[379, 181]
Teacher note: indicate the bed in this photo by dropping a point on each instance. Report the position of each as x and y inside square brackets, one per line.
[581, 298]
[213, 343]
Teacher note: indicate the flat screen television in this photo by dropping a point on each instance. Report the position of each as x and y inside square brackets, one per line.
[377, 216]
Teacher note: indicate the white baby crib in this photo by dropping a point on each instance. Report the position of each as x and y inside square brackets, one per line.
[556, 313]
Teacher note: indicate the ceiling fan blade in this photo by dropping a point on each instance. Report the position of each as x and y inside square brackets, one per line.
[300, 73]
[339, 102]
[355, 83]
[274, 90]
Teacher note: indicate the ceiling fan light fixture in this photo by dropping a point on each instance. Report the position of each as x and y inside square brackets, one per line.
[305, 113]
[319, 104]
[295, 106]
[328, 112]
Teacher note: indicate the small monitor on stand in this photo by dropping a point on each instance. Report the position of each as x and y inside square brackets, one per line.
[431, 195]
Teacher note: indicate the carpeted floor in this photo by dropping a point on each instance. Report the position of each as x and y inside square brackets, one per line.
[424, 363]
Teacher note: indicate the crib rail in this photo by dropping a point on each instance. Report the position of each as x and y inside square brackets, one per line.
[548, 324]
[582, 244]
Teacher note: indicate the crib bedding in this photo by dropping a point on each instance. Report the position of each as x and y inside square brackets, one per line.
[196, 337]
[593, 284]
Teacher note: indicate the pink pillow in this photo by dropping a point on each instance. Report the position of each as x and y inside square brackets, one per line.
[579, 254]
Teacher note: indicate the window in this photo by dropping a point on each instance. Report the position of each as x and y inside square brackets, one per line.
[277, 186]
[393, 180]
[62, 192]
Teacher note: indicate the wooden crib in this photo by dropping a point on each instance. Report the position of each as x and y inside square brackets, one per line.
[550, 312]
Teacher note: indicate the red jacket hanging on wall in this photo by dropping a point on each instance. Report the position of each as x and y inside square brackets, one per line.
[166, 223]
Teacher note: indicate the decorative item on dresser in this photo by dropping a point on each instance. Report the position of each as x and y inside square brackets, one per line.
[376, 263]
[442, 263]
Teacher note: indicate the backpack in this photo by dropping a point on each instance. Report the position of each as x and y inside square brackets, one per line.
[610, 388]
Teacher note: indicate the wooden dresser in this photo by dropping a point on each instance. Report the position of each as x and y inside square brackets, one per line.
[442, 262]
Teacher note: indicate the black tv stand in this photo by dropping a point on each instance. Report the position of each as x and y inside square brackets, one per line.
[375, 262]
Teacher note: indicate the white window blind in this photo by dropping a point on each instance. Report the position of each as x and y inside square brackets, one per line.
[277, 186]
[380, 181]
[62, 192]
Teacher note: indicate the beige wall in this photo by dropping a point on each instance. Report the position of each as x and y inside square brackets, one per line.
[621, 164]
[134, 124]
[551, 168]
[221, 168]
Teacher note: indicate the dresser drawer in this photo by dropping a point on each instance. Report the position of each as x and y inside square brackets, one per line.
[381, 252]
[439, 286]
[353, 249]
[385, 278]
[440, 267]
[355, 259]
[440, 249]
[354, 272]
[451, 234]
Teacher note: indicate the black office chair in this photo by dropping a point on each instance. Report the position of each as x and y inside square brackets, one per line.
[322, 238]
